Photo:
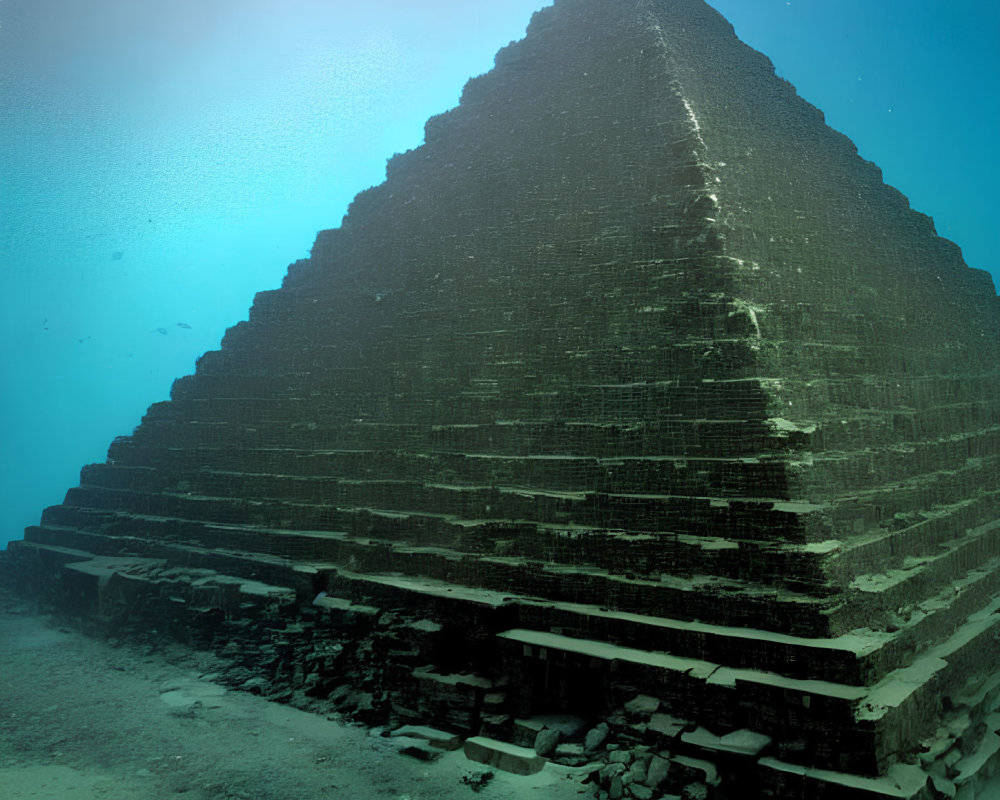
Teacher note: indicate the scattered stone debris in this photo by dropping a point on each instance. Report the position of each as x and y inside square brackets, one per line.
[477, 781]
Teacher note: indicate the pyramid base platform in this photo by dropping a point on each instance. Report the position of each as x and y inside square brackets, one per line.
[386, 650]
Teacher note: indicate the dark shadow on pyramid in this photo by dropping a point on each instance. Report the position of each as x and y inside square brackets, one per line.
[634, 394]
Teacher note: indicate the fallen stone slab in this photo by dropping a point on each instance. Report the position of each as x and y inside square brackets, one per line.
[546, 741]
[741, 742]
[420, 749]
[903, 782]
[526, 730]
[642, 705]
[595, 737]
[699, 769]
[437, 738]
[666, 725]
[503, 756]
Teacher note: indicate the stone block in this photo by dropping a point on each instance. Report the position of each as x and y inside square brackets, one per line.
[437, 738]
[657, 771]
[741, 742]
[570, 753]
[666, 725]
[596, 737]
[642, 705]
[526, 731]
[546, 741]
[503, 756]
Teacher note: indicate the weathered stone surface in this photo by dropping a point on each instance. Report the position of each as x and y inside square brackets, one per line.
[665, 725]
[636, 773]
[657, 772]
[570, 754]
[642, 705]
[902, 781]
[440, 739]
[525, 731]
[741, 742]
[635, 379]
[546, 741]
[596, 737]
[503, 756]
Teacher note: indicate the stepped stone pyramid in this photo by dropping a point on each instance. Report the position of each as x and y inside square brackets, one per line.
[633, 379]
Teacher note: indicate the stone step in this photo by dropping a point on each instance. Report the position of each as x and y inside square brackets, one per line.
[497, 431]
[876, 600]
[691, 437]
[855, 729]
[760, 519]
[848, 471]
[95, 582]
[914, 534]
[903, 782]
[859, 658]
[699, 597]
[859, 469]
[51, 543]
[851, 658]
[870, 717]
[934, 549]
[859, 391]
[757, 476]
[468, 346]
[596, 402]
[920, 576]
[927, 620]
[769, 703]
[666, 504]
[846, 429]
[503, 755]
[889, 505]
[795, 567]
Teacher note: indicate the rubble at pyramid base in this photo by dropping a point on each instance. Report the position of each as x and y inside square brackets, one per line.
[515, 681]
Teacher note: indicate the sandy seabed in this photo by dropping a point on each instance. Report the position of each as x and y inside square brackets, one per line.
[83, 719]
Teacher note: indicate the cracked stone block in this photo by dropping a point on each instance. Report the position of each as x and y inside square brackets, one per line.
[503, 756]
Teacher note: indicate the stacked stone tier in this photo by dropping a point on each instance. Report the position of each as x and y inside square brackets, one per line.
[852, 700]
[516, 537]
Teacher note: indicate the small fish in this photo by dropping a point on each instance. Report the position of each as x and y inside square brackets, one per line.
[161, 331]
[184, 325]
[117, 255]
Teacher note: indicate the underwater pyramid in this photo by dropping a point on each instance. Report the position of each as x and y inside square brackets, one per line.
[633, 379]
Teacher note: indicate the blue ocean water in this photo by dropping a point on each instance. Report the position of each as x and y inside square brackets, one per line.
[162, 162]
